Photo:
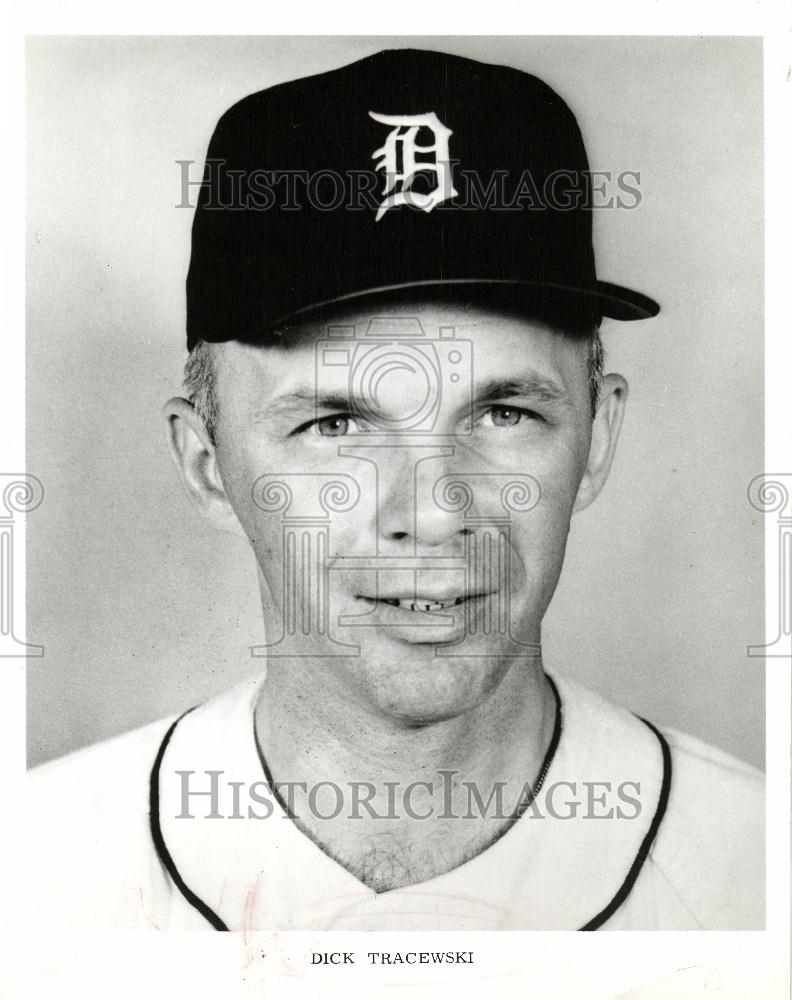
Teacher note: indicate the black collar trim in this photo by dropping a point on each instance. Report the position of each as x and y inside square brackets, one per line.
[159, 841]
[594, 924]
[646, 844]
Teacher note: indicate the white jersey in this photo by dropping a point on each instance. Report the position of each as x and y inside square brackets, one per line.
[667, 834]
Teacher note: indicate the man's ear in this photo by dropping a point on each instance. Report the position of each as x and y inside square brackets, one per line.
[196, 460]
[604, 435]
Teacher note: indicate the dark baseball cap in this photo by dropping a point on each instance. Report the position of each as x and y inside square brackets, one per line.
[409, 169]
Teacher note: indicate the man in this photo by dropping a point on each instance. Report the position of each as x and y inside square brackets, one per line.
[396, 395]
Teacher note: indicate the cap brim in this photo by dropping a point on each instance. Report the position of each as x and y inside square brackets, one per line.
[623, 303]
[605, 299]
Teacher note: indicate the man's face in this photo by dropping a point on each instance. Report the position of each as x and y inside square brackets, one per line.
[417, 580]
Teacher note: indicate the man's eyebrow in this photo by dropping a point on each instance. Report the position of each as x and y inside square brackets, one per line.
[306, 395]
[533, 385]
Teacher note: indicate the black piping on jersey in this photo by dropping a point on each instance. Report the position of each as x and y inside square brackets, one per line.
[159, 841]
[646, 843]
[596, 922]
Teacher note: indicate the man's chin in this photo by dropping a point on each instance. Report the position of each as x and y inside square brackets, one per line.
[422, 688]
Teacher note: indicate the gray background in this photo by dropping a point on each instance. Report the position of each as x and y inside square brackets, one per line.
[143, 610]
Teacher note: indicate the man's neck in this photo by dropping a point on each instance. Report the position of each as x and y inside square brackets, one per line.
[308, 735]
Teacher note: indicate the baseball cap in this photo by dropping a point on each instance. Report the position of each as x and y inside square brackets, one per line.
[408, 169]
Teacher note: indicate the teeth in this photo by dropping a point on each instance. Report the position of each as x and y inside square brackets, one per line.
[423, 605]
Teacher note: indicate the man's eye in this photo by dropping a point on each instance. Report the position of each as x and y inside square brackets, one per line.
[335, 426]
[507, 416]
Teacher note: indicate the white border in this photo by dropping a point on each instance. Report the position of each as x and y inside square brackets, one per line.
[539, 965]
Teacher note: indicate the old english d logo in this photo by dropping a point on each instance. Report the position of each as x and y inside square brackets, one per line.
[397, 158]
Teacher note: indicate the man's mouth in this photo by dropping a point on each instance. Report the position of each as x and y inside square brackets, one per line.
[423, 618]
[418, 604]
[421, 603]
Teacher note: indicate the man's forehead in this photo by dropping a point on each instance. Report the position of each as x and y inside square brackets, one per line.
[356, 353]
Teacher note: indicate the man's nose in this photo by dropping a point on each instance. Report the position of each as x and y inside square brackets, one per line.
[408, 510]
